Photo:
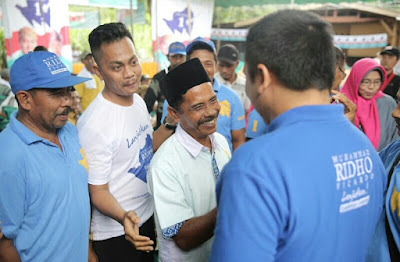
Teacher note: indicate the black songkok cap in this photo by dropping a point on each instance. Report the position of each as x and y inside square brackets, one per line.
[183, 77]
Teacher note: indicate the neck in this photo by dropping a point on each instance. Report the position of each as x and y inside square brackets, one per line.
[388, 72]
[285, 99]
[117, 99]
[233, 78]
[41, 131]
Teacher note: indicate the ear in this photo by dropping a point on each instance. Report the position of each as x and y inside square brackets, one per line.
[25, 100]
[97, 70]
[174, 113]
[263, 78]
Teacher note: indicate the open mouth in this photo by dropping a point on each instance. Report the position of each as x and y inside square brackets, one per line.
[210, 123]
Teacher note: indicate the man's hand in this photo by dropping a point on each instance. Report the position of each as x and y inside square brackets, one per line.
[349, 107]
[131, 225]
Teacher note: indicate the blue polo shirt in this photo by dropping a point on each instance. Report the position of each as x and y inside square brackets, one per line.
[231, 117]
[256, 125]
[44, 199]
[311, 189]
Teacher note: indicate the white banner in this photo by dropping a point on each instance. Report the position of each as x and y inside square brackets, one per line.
[171, 21]
[29, 23]
[342, 41]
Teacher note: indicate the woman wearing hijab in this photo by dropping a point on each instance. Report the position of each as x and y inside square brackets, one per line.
[374, 108]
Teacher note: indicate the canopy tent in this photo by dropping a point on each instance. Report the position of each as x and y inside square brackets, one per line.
[229, 3]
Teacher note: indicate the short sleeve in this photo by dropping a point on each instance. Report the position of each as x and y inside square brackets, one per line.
[238, 117]
[12, 201]
[99, 154]
[169, 199]
[248, 224]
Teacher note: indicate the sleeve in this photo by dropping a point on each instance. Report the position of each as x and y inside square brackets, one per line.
[12, 201]
[393, 212]
[249, 224]
[150, 97]
[169, 199]
[164, 111]
[238, 117]
[99, 154]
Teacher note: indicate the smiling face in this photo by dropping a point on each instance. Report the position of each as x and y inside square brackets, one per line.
[199, 111]
[370, 85]
[120, 69]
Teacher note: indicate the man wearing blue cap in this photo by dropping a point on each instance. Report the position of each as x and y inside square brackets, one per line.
[231, 120]
[44, 200]
[176, 56]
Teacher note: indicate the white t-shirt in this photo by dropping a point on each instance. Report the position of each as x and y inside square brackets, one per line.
[117, 141]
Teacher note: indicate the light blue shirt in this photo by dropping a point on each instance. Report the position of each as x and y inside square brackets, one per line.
[231, 117]
[256, 125]
[44, 199]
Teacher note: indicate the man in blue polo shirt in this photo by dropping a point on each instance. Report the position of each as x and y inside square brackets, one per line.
[44, 200]
[311, 188]
[255, 125]
[231, 119]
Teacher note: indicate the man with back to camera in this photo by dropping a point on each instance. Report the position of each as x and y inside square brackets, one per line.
[176, 56]
[117, 136]
[231, 119]
[228, 60]
[389, 58]
[185, 170]
[44, 200]
[303, 194]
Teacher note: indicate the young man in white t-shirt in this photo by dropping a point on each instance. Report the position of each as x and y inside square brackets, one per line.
[117, 136]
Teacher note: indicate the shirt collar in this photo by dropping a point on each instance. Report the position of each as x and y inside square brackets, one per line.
[25, 134]
[216, 85]
[190, 144]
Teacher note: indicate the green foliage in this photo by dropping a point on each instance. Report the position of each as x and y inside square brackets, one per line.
[240, 13]
[141, 32]
[3, 52]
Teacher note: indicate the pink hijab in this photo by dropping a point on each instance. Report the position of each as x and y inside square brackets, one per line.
[367, 111]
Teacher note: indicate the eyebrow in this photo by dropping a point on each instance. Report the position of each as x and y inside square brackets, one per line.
[121, 63]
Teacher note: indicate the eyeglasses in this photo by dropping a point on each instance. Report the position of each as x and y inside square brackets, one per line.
[341, 70]
[368, 82]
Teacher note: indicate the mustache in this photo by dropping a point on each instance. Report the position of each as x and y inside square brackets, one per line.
[208, 119]
[66, 111]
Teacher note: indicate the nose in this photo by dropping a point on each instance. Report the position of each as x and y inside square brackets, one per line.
[129, 72]
[396, 112]
[66, 99]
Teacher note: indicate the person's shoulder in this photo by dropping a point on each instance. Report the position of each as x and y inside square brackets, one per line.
[386, 100]
[221, 140]
[16, 148]
[166, 153]
[228, 93]
[140, 102]
[159, 75]
[240, 80]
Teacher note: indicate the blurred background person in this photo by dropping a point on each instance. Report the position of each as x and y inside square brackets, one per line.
[88, 90]
[364, 87]
[228, 60]
[176, 56]
[389, 58]
[76, 107]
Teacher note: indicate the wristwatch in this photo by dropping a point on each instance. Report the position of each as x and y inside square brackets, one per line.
[168, 126]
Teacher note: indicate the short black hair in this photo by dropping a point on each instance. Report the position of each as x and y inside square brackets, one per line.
[339, 56]
[296, 46]
[201, 46]
[40, 48]
[107, 33]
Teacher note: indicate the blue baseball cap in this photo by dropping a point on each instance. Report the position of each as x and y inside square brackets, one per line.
[200, 40]
[41, 69]
[176, 48]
